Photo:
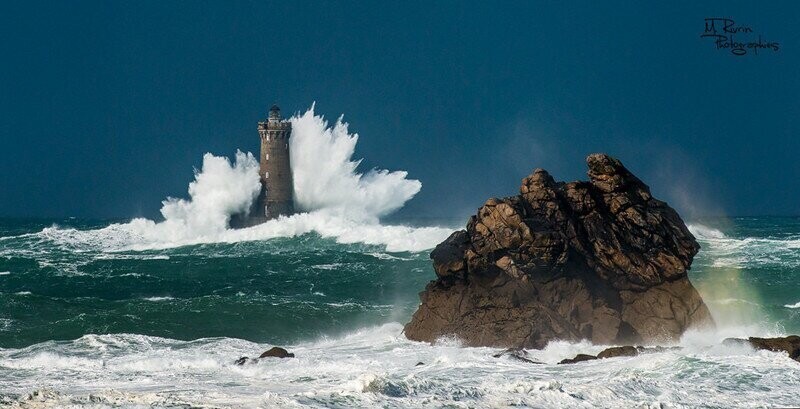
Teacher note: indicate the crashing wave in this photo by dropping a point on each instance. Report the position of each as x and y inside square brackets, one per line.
[702, 232]
[337, 201]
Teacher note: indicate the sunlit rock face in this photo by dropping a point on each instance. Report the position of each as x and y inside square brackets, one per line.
[600, 260]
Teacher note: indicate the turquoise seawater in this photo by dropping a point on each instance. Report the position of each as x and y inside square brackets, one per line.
[278, 291]
[84, 322]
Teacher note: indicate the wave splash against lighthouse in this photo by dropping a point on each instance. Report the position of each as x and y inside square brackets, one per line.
[333, 198]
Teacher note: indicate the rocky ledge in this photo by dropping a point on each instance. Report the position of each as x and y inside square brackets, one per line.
[601, 260]
[790, 345]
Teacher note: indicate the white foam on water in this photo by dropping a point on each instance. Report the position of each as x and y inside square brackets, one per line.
[120, 256]
[795, 305]
[5, 273]
[158, 299]
[337, 202]
[377, 367]
[744, 252]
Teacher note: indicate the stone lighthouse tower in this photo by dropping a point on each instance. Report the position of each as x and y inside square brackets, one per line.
[276, 174]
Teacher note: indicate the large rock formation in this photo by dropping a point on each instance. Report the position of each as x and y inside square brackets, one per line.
[601, 260]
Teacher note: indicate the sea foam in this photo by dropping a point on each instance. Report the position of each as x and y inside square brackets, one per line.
[730, 251]
[378, 367]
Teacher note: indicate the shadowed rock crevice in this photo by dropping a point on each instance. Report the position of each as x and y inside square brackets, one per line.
[600, 260]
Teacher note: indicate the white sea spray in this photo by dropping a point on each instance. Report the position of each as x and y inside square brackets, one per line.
[336, 201]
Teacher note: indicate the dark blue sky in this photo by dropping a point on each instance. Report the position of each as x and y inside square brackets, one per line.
[106, 106]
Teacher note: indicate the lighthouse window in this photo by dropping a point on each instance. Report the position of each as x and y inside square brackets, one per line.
[266, 175]
[266, 156]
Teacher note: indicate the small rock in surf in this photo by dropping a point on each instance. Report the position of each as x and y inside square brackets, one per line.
[276, 352]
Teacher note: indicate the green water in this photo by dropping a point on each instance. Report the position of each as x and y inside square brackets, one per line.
[279, 291]
[290, 289]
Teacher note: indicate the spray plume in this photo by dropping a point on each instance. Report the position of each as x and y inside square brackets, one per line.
[335, 199]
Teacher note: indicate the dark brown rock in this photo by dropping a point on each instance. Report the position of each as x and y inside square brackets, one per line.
[277, 352]
[578, 358]
[613, 352]
[600, 260]
[241, 361]
[790, 344]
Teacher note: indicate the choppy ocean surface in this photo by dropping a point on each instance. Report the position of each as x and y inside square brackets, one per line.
[90, 319]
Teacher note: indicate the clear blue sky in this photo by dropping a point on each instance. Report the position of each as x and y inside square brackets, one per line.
[105, 107]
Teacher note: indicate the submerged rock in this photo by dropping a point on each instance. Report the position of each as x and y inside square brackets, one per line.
[600, 260]
[517, 354]
[790, 344]
[276, 352]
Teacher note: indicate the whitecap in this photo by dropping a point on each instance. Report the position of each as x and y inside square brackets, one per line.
[158, 299]
[327, 266]
[795, 305]
[384, 256]
[721, 250]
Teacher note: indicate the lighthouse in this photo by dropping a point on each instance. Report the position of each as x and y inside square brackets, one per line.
[277, 188]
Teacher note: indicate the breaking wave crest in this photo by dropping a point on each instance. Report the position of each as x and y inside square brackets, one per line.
[337, 201]
[738, 250]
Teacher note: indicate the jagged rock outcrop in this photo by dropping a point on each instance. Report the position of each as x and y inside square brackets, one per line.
[600, 260]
